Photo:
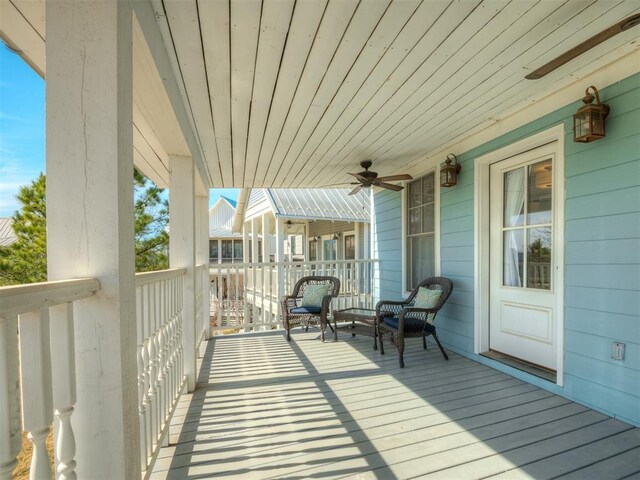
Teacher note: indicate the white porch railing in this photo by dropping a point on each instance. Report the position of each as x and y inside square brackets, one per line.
[159, 300]
[38, 357]
[37, 372]
[246, 296]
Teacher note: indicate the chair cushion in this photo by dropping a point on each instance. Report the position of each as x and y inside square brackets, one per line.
[427, 298]
[305, 310]
[313, 294]
[411, 325]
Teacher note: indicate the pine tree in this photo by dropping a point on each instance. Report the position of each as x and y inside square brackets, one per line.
[25, 261]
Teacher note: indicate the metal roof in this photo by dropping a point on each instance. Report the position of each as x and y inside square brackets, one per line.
[7, 236]
[321, 203]
[223, 233]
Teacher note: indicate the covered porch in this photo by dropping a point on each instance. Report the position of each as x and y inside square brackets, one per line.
[294, 94]
[266, 408]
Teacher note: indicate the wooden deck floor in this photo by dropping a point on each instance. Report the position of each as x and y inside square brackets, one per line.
[268, 409]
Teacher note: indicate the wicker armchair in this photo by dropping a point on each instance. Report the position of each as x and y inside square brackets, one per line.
[409, 321]
[293, 314]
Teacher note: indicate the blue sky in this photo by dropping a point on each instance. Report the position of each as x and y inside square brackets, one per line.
[22, 148]
[21, 128]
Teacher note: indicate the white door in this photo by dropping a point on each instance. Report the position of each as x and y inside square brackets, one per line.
[522, 314]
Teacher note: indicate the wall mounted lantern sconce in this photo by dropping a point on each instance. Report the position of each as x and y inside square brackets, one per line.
[314, 239]
[449, 172]
[336, 235]
[588, 121]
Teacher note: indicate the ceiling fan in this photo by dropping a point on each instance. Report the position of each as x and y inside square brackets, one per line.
[368, 178]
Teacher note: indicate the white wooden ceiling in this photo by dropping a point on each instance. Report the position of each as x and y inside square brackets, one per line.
[292, 93]
[295, 93]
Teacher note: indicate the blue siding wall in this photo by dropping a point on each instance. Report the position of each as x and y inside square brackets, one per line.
[602, 254]
[386, 228]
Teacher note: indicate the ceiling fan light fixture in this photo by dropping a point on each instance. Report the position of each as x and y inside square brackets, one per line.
[449, 172]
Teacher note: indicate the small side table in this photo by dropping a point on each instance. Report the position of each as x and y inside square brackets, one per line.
[363, 322]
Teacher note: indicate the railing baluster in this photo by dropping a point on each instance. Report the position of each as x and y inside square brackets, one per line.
[10, 438]
[64, 386]
[35, 379]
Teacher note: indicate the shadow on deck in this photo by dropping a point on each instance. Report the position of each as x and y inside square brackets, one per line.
[265, 408]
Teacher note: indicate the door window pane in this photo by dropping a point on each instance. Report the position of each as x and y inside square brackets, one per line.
[213, 251]
[415, 194]
[227, 251]
[539, 195]
[237, 251]
[349, 247]
[514, 198]
[428, 219]
[313, 250]
[329, 249]
[539, 258]
[513, 258]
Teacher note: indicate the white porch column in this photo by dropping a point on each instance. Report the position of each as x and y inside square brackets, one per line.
[255, 241]
[246, 252]
[182, 252]
[90, 221]
[266, 237]
[202, 206]
[283, 288]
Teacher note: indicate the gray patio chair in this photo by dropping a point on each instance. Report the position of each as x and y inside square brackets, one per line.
[411, 321]
[295, 312]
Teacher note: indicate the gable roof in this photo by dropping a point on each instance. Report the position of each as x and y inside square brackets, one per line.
[312, 203]
[7, 235]
[229, 201]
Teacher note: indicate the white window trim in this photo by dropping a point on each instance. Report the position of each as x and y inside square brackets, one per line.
[481, 235]
[436, 230]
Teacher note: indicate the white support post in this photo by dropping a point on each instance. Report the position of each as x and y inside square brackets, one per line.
[281, 290]
[255, 241]
[246, 252]
[202, 203]
[182, 252]
[266, 237]
[89, 154]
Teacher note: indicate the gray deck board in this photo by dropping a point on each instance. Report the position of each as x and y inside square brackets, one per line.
[268, 409]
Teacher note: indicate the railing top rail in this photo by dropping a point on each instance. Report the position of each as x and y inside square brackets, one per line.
[19, 299]
[145, 278]
[216, 266]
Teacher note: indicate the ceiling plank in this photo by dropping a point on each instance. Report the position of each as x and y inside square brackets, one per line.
[217, 59]
[337, 18]
[304, 26]
[487, 100]
[348, 72]
[183, 20]
[276, 19]
[404, 76]
[245, 31]
[20, 35]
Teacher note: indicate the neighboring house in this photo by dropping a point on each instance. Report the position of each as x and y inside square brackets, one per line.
[225, 246]
[7, 235]
[541, 239]
[310, 224]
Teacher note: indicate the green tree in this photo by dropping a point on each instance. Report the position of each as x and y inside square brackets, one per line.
[25, 261]
[151, 213]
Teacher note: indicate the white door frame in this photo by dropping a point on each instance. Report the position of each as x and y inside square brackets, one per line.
[482, 229]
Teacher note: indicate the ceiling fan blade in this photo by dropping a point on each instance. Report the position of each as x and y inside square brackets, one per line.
[391, 178]
[390, 186]
[355, 190]
[359, 177]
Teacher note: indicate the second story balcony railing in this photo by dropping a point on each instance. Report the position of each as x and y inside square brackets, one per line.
[246, 296]
[38, 358]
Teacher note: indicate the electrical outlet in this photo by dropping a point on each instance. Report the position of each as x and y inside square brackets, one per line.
[617, 351]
